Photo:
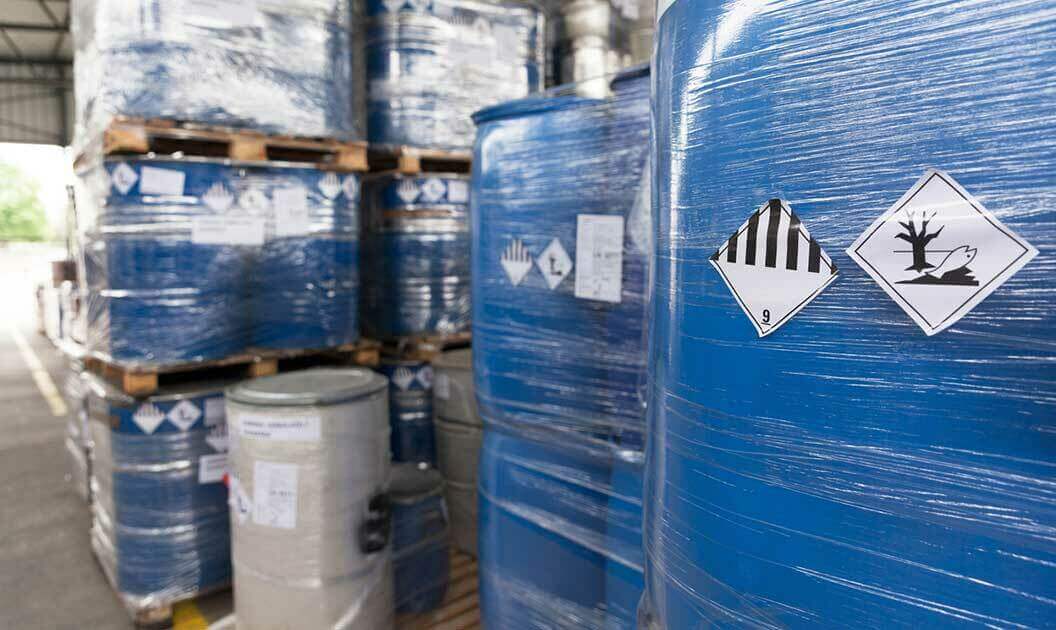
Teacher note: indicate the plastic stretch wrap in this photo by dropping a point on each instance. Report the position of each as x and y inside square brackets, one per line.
[160, 520]
[420, 538]
[416, 245]
[430, 65]
[595, 38]
[560, 226]
[276, 66]
[78, 434]
[459, 433]
[310, 522]
[199, 259]
[410, 410]
[849, 470]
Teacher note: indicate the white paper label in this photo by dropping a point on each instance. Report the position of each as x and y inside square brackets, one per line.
[222, 13]
[239, 501]
[554, 263]
[214, 411]
[442, 387]
[938, 252]
[161, 181]
[211, 468]
[773, 267]
[290, 427]
[458, 191]
[228, 230]
[599, 257]
[291, 211]
[275, 495]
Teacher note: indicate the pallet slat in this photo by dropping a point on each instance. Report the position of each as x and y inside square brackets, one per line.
[138, 137]
[460, 609]
[414, 160]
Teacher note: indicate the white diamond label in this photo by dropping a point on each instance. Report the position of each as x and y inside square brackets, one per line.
[938, 252]
[773, 266]
[555, 264]
[433, 190]
[425, 376]
[402, 377]
[148, 418]
[516, 261]
[184, 414]
[330, 186]
[350, 186]
[124, 178]
[407, 190]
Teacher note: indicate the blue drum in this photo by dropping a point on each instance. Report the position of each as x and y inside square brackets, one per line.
[416, 248]
[291, 63]
[421, 544]
[559, 278]
[156, 294]
[305, 290]
[430, 65]
[849, 470]
[197, 259]
[160, 522]
[411, 410]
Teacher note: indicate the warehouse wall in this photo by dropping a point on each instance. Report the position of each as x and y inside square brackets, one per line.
[36, 103]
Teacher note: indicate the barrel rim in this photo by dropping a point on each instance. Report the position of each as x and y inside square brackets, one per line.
[295, 389]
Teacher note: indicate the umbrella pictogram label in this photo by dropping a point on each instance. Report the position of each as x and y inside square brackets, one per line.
[773, 266]
[938, 252]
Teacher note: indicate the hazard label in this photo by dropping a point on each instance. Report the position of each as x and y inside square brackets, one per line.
[938, 252]
[773, 266]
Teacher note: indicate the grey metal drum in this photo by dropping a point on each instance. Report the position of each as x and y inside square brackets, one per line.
[453, 394]
[309, 462]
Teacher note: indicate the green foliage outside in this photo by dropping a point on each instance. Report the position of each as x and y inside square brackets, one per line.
[21, 212]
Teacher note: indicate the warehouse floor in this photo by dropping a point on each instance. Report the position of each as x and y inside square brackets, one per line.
[48, 576]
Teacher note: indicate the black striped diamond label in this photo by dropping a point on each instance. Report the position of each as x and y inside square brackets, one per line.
[773, 266]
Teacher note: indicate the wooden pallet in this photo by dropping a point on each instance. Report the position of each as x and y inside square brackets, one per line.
[136, 136]
[414, 160]
[162, 616]
[425, 348]
[143, 381]
[461, 607]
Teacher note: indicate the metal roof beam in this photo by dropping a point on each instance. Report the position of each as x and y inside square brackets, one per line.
[28, 26]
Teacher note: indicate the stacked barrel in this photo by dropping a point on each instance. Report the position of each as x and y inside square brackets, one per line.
[560, 228]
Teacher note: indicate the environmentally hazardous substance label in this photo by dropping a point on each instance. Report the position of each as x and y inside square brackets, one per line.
[599, 257]
[938, 252]
[275, 494]
[554, 263]
[773, 266]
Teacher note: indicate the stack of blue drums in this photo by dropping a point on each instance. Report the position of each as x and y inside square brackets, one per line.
[198, 259]
[160, 516]
[849, 470]
[411, 410]
[416, 246]
[557, 375]
[430, 65]
[277, 67]
[421, 552]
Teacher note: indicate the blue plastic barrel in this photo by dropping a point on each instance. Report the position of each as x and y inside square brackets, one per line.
[849, 470]
[161, 516]
[430, 65]
[421, 553]
[558, 374]
[411, 410]
[416, 248]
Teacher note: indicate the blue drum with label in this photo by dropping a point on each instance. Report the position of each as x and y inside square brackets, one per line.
[411, 410]
[867, 463]
[161, 521]
[416, 247]
[430, 65]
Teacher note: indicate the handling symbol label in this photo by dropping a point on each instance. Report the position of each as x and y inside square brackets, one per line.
[938, 252]
[773, 266]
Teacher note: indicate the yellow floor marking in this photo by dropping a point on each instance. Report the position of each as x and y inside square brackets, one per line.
[40, 375]
[186, 616]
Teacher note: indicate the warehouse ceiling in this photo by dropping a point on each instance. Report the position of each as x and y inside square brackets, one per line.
[36, 75]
